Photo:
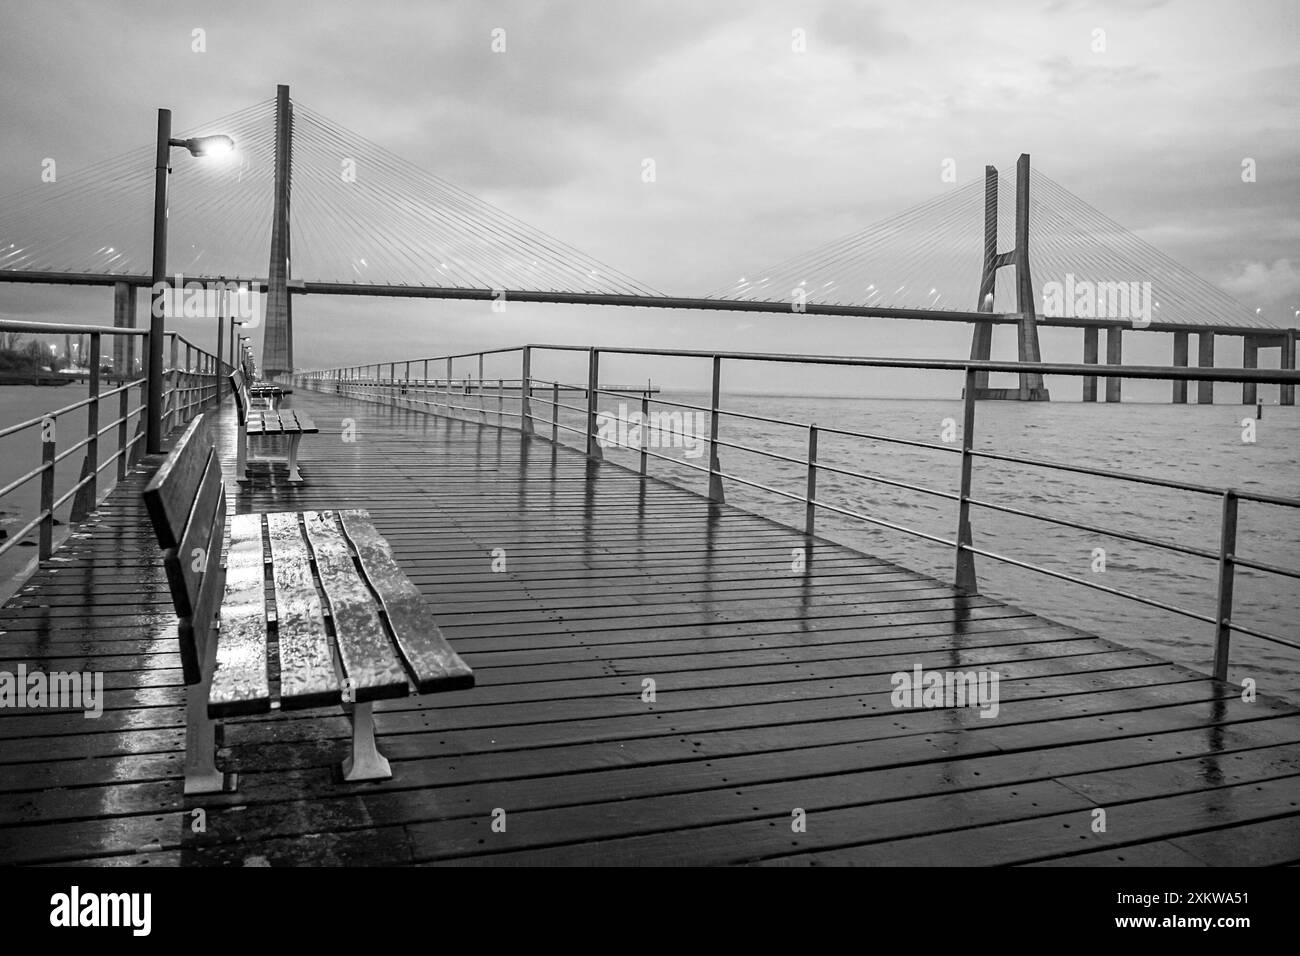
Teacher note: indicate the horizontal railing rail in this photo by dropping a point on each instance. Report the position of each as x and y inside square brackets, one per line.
[392, 382]
[192, 380]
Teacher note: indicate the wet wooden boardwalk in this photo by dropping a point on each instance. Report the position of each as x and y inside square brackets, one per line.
[772, 695]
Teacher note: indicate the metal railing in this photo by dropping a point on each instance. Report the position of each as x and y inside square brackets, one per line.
[191, 381]
[449, 395]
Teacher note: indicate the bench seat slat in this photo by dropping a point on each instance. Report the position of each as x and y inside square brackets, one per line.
[367, 653]
[307, 674]
[435, 665]
[240, 684]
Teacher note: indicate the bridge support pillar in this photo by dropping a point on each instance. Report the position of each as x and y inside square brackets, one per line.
[277, 338]
[1031, 387]
[981, 349]
[1249, 359]
[1205, 359]
[123, 318]
[1090, 358]
[1286, 393]
[1114, 356]
[1180, 360]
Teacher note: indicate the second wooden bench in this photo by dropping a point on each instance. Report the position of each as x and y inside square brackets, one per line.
[266, 423]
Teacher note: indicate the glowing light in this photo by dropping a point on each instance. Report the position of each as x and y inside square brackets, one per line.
[219, 145]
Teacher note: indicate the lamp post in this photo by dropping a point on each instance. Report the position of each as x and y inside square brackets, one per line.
[234, 340]
[198, 146]
[221, 328]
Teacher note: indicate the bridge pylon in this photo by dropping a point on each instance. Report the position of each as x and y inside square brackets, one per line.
[1031, 387]
[277, 339]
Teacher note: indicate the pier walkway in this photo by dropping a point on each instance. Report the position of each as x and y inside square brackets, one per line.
[771, 702]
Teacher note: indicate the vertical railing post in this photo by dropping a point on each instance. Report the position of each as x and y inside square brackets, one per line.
[965, 577]
[501, 400]
[810, 493]
[593, 397]
[140, 427]
[49, 427]
[555, 412]
[123, 409]
[645, 430]
[91, 488]
[173, 405]
[715, 469]
[482, 399]
[447, 391]
[1227, 576]
[526, 392]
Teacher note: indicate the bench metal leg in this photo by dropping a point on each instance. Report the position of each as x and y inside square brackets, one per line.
[366, 762]
[293, 457]
[201, 773]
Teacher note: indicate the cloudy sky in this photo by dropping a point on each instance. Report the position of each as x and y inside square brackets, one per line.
[761, 150]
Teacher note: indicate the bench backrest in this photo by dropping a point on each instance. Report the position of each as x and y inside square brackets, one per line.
[186, 500]
[240, 383]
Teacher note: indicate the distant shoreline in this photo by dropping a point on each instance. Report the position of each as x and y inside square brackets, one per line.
[43, 379]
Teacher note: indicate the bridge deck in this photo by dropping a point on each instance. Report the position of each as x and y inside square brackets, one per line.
[772, 695]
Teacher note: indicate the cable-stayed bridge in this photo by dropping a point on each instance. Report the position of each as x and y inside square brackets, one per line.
[309, 207]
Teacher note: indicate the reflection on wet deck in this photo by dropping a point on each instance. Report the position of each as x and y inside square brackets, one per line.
[770, 737]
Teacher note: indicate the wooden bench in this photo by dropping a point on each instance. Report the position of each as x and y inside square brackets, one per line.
[266, 422]
[262, 395]
[349, 626]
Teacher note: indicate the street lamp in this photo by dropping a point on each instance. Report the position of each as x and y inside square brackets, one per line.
[198, 146]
